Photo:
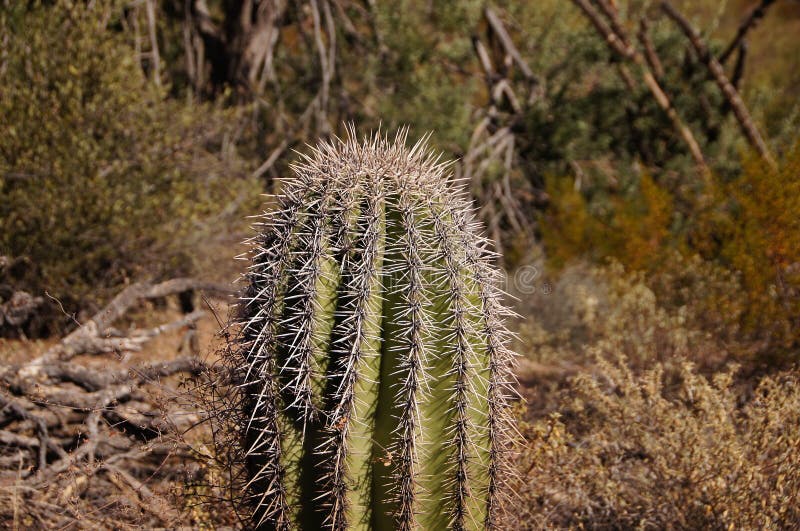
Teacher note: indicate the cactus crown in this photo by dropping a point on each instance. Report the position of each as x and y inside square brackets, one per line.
[372, 362]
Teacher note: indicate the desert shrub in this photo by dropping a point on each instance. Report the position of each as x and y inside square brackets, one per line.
[102, 177]
[759, 235]
[690, 309]
[653, 453]
[746, 229]
[632, 227]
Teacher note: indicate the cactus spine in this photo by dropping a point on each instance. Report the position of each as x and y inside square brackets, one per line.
[372, 360]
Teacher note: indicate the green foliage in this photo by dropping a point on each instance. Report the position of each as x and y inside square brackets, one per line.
[102, 178]
[426, 55]
[590, 113]
[372, 365]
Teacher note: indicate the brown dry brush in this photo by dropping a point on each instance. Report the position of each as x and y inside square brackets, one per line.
[665, 449]
[98, 443]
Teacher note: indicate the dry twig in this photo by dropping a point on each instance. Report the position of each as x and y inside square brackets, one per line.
[71, 435]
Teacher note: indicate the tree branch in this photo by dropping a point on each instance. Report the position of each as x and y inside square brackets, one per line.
[619, 44]
[92, 337]
[728, 90]
[511, 50]
[752, 19]
[508, 45]
[649, 49]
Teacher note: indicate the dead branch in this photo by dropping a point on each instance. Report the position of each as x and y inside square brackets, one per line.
[485, 60]
[492, 143]
[620, 45]
[94, 337]
[738, 68]
[271, 160]
[69, 436]
[259, 52]
[155, 56]
[511, 50]
[752, 19]
[611, 13]
[508, 45]
[649, 49]
[150, 501]
[18, 308]
[103, 387]
[728, 90]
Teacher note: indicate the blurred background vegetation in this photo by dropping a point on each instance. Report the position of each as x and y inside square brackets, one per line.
[657, 198]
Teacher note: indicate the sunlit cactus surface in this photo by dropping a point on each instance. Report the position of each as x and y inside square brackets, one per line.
[372, 353]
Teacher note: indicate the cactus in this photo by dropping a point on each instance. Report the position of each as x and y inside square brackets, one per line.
[371, 360]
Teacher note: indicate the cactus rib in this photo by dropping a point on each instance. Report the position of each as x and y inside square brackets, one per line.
[372, 359]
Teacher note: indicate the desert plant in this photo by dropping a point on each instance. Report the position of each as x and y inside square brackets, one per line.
[665, 449]
[371, 361]
[103, 177]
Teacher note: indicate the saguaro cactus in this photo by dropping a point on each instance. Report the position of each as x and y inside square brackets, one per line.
[372, 358]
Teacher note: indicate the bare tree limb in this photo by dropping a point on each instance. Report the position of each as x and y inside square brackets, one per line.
[505, 39]
[93, 337]
[116, 385]
[618, 44]
[649, 49]
[485, 60]
[511, 50]
[738, 68]
[728, 90]
[9, 405]
[752, 19]
[611, 13]
[258, 55]
[151, 502]
[271, 160]
[155, 56]
[18, 309]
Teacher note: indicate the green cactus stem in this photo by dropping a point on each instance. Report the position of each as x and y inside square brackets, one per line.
[372, 361]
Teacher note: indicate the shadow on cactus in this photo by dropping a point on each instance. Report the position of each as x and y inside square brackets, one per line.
[370, 372]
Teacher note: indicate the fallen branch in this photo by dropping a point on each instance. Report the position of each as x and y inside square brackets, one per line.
[71, 435]
[94, 336]
[151, 502]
